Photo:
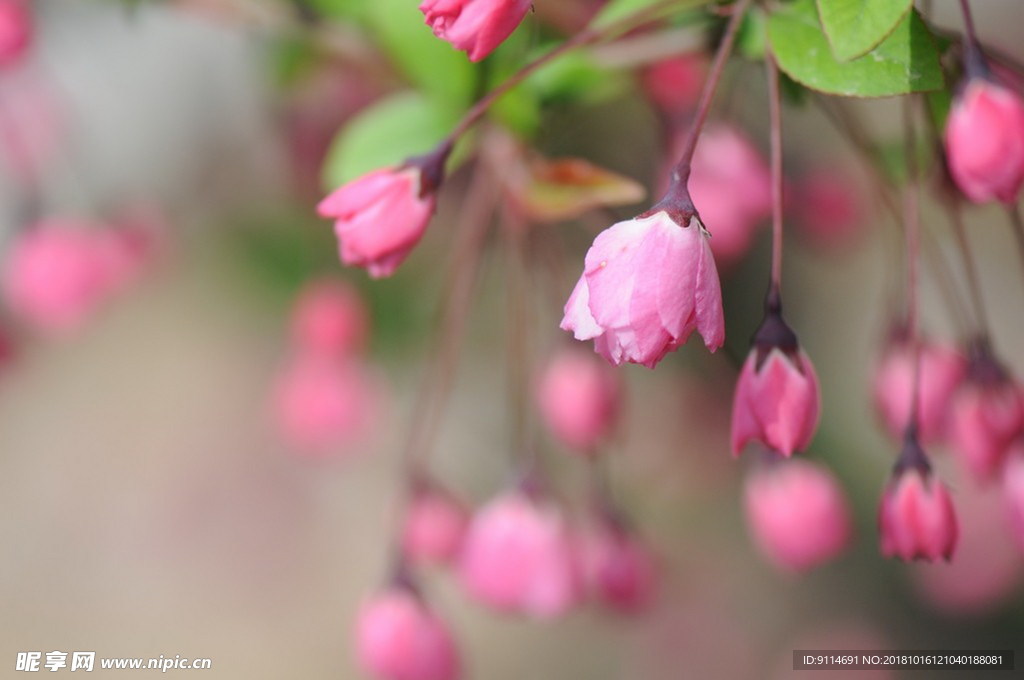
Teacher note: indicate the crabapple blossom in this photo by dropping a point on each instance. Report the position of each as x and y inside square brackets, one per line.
[399, 637]
[647, 284]
[475, 27]
[941, 371]
[520, 557]
[380, 217]
[579, 397]
[985, 141]
[797, 514]
[329, 318]
[435, 524]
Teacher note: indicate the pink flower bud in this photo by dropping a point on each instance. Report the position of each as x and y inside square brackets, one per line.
[435, 525]
[797, 514]
[731, 187]
[776, 401]
[916, 519]
[519, 557]
[674, 84]
[1013, 490]
[324, 406]
[380, 217]
[398, 637]
[985, 141]
[579, 399]
[55, 275]
[329, 319]
[647, 284]
[988, 416]
[621, 571]
[15, 30]
[941, 370]
[476, 27]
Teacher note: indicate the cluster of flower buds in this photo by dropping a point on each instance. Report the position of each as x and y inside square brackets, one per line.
[325, 399]
[58, 272]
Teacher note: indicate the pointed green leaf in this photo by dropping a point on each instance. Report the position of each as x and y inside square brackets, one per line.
[906, 61]
[855, 27]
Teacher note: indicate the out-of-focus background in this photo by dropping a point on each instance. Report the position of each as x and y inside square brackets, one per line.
[148, 507]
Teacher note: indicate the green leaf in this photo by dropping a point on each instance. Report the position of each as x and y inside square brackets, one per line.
[429, 62]
[385, 134]
[906, 61]
[855, 27]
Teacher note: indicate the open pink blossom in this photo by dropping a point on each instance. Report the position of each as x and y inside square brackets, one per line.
[329, 318]
[731, 187]
[941, 371]
[15, 30]
[325, 406]
[987, 418]
[435, 525]
[777, 400]
[797, 514]
[380, 217]
[476, 27]
[647, 284]
[916, 519]
[985, 141]
[398, 637]
[55, 274]
[579, 397]
[620, 569]
[519, 557]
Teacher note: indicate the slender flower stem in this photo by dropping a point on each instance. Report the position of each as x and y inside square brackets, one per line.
[775, 117]
[912, 228]
[854, 133]
[437, 379]
[681, 172]
[972, 36]
[956, 216]
[581, 39]
[1013, 210]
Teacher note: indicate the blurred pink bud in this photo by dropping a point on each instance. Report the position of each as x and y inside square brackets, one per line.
[941, 371]
[777, 401]
[829, 207]
[988, 417]
[398, 637]
[519, 557]
[579, 397]
[985, 141]
[1013, 490]
[380, 217]
[797, 514]
[55, 274]
[15, 30]
[476, 27]
[620, 569]
[435, 525]
[731, 187]
[325, 406]
[986, 570]
[329, 319]
[674, 84]
[916, 519]
[647, 284]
